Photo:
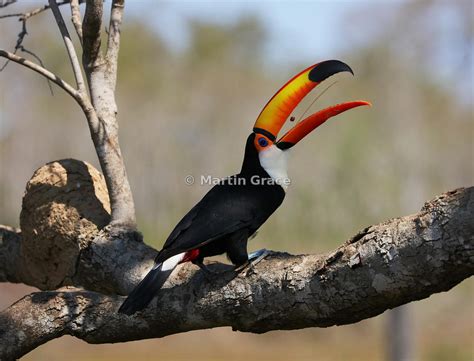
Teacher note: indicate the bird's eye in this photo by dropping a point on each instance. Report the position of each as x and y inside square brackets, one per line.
[262, 142]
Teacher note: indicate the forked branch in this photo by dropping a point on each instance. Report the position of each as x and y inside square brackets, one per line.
[99, 105]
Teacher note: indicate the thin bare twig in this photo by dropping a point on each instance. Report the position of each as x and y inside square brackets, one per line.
[76, 66]
[81, 98]
[31, 13]
[19, 41]
[19, 46]
[23, 17]
[76, 18]
[14, 15]
[24, 50]
[45, 72]
[5, 3]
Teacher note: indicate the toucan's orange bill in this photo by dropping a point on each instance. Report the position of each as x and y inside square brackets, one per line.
[282, 104]
[306, 126]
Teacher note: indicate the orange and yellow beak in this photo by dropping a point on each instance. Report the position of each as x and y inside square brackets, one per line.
[281, 105]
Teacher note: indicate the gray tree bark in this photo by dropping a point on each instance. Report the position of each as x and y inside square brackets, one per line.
[101, 72]
[383, 266]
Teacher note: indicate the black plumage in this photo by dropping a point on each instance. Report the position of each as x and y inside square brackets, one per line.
[232, 211]
[220, 223]
[239, 205]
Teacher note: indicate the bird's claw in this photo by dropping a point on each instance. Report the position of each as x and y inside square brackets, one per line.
[253, 259]
[257, 256]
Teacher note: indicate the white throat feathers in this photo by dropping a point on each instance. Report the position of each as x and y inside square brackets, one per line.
[275, 161]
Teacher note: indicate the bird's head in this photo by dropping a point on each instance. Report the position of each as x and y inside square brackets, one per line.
[264, 138]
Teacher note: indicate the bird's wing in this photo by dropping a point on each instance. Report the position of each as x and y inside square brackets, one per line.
[222, 211]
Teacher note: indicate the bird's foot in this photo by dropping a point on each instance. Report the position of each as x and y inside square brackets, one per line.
[257, 256]
[253, 259]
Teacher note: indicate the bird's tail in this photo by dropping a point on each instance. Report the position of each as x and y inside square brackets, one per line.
[144, 292]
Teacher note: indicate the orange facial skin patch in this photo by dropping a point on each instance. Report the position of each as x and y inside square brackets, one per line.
[261, 142]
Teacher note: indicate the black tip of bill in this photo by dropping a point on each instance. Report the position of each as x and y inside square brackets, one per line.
[328, 68]
[284, 145]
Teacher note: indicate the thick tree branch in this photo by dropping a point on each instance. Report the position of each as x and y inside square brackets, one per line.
[382, 267]
[91, 28]
[101, 76]
[113, 44]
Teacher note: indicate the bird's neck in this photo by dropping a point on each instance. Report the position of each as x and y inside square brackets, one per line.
[251, 164]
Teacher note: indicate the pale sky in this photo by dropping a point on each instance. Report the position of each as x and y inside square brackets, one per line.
[299, 30]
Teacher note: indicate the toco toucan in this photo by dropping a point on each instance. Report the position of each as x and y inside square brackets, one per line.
[232, 211]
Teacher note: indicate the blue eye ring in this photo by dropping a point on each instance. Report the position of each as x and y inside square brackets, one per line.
[262, 142]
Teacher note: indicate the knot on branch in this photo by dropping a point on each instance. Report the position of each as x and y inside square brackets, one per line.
[65, 205]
